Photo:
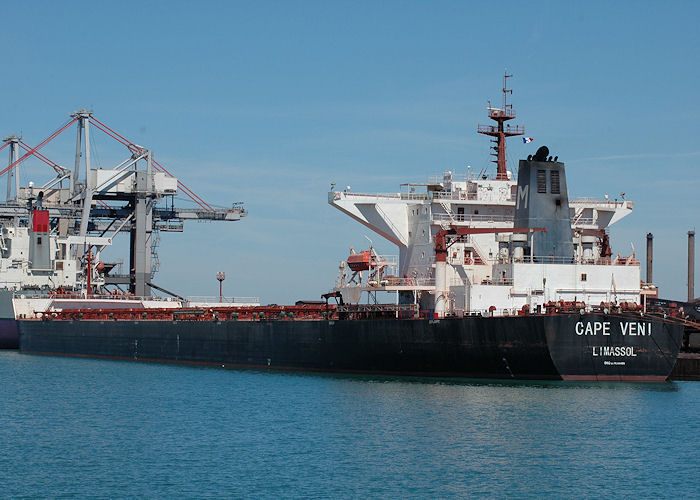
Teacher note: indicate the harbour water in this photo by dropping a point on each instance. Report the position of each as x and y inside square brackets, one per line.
[93, 428]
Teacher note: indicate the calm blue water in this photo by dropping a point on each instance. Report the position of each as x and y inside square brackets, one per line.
[93, 428]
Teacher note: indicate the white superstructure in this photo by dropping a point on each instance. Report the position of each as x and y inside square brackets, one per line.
[59, 266]
[492, 269]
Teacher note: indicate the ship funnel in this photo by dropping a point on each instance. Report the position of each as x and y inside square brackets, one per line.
[542, 201]
[650, 257]
[691, 266]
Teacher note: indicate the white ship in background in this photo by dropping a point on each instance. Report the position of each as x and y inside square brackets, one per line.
[487, 267]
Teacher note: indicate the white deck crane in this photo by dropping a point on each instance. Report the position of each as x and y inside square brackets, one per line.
[90, 206]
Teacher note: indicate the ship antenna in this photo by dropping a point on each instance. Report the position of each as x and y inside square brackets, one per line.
[499, 132]
[506, 90]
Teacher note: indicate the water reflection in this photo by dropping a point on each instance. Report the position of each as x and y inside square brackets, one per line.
[669, 386]
[82, 427]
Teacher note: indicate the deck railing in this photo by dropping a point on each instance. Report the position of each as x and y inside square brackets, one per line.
[29, 294]
[224, 300]
[472, 218]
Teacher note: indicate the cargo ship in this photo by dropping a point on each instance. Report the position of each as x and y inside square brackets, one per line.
[568, 345]
[498, 277]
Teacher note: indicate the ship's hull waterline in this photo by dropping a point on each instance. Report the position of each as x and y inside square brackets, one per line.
[594, 347]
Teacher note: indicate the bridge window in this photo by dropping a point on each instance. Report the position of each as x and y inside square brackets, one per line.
[554, 181]
[541, 181]
[584, 277]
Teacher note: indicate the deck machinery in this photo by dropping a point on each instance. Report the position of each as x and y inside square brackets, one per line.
[49, 232]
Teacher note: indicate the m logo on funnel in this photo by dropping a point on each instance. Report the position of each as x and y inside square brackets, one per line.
[522, 195]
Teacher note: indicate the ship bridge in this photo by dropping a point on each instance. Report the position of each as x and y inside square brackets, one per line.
[480, 202]
[411, 218]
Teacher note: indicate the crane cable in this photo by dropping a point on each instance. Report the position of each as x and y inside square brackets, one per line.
[137, 149]
[38, 147]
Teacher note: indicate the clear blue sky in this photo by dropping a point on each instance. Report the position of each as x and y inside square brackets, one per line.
[268, 102]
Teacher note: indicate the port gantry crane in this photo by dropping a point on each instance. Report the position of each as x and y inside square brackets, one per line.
[90, 206]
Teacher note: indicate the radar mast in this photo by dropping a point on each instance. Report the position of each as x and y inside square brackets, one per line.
[499, 132]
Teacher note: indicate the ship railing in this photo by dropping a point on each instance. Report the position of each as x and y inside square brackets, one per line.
[472, 218]
[546, 259]
[213, 300]
[390, 260]
[346, 308]
[414, 196]
[598, 261]
[396, 281]
[347, 194]
[11, 285]
[448, 177]
[367, 311]
[610, 203]
[584, 199]
[27, 294]
[508, 112]
[575, 221]
[486, 312]
[509, 311]
[498, 281]
[560, 306]
[435, 195]
[582, 221]
[454, 195]
[127, 297]
[513, 129]
[503, 282]
[337, 195]
[420, 281]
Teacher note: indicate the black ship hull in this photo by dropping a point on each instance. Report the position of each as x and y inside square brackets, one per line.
[9, 336]
[563, 346]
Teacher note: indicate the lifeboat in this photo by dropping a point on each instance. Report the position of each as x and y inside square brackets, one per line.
[359, 261]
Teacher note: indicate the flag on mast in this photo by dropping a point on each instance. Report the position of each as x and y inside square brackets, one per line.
[527, 139]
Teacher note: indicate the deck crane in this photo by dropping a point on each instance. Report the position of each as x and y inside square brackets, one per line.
[89, 206]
